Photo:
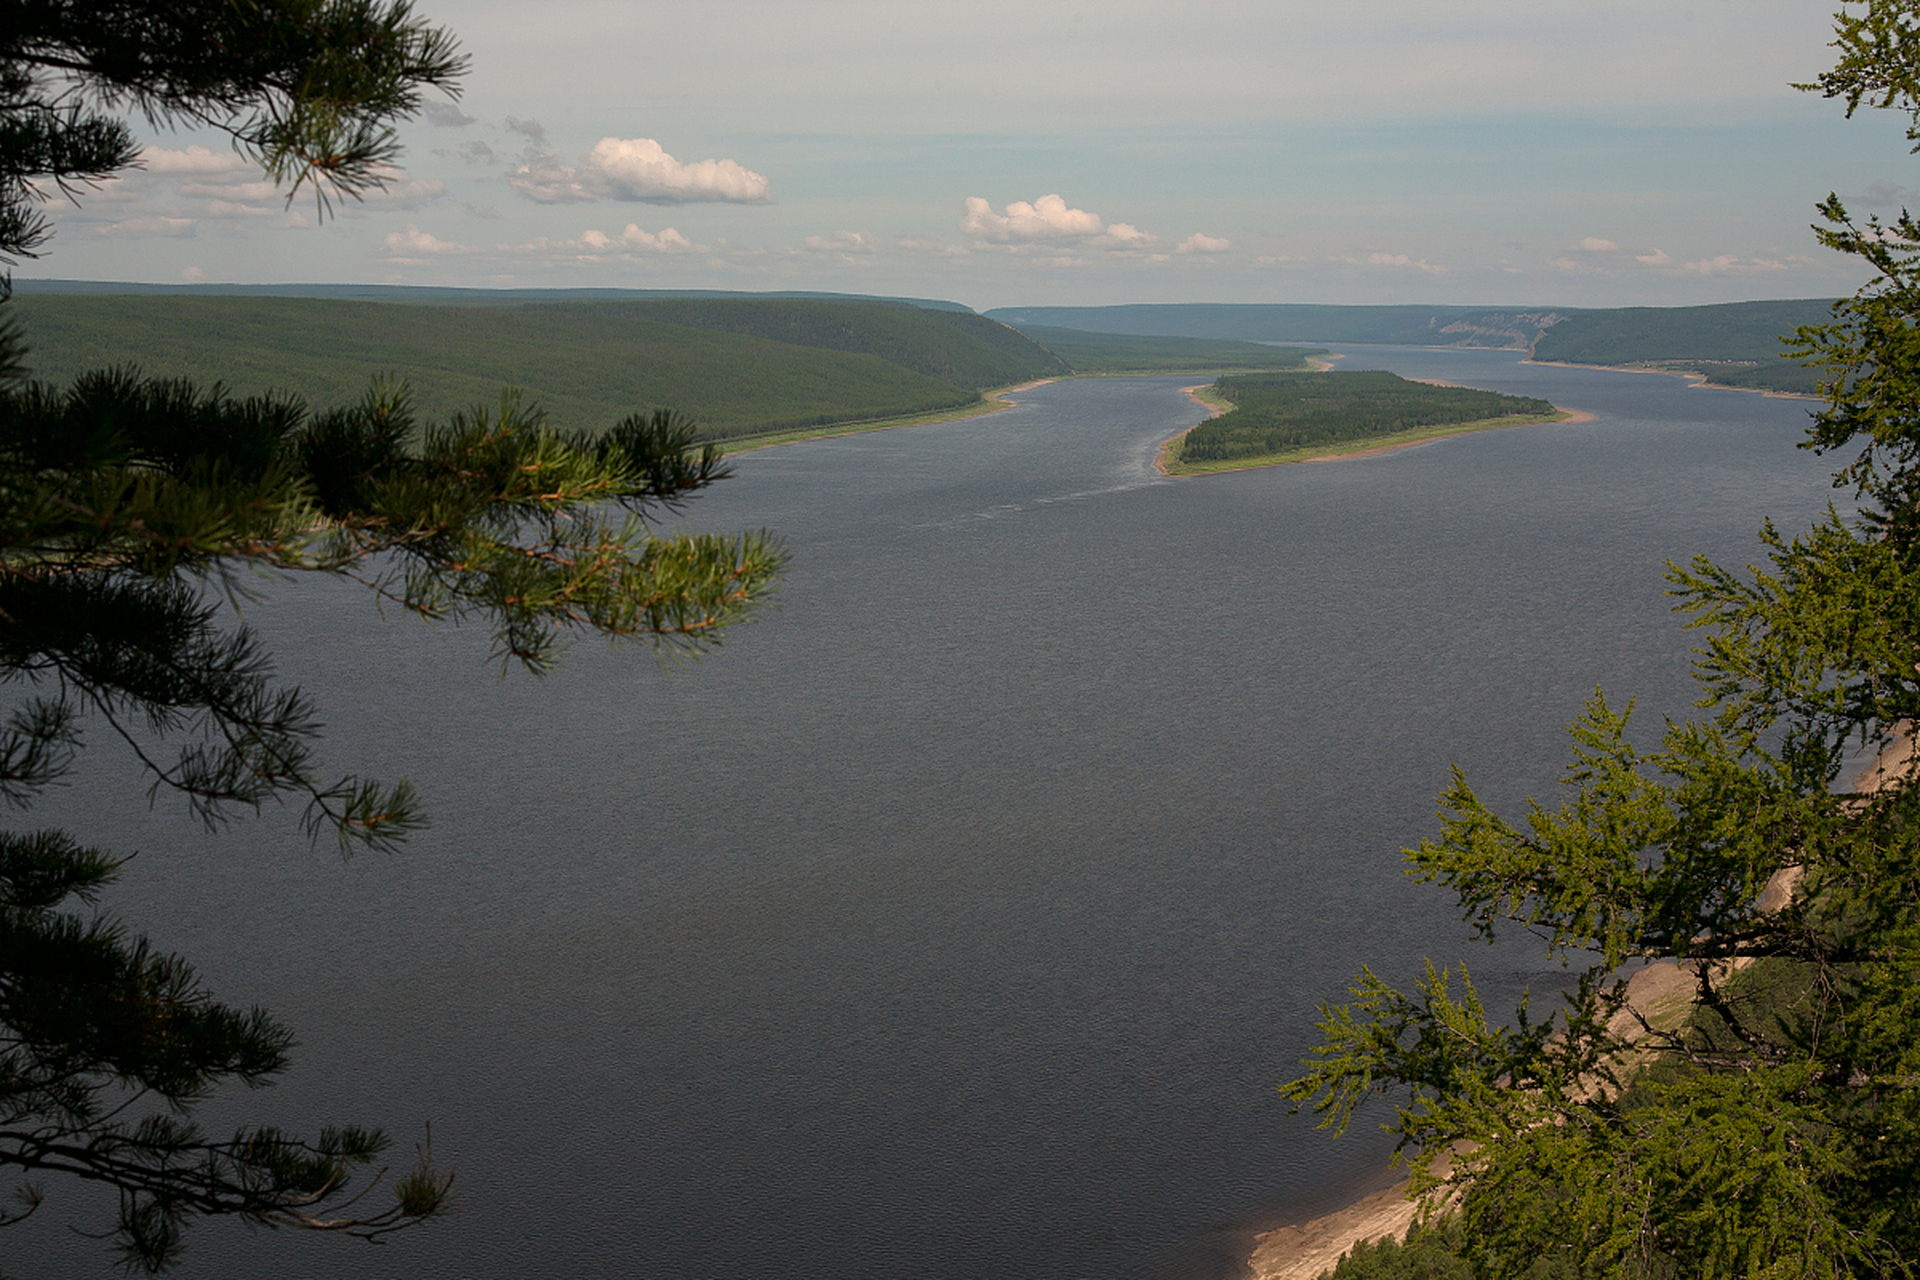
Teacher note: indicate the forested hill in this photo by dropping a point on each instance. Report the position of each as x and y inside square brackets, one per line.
[1514, 327]
[957, 346]
[1735, 344]
[739, 367]
[449, 294]
[1125, 353]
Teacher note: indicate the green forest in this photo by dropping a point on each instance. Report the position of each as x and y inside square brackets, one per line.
[1412, 326]
[1281, 414]
[746, 369]
[1122, 353]
[1732, 344]
[740, 368]
[1736, 344]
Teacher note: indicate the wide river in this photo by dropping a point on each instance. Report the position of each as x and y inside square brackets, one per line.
[957, 920]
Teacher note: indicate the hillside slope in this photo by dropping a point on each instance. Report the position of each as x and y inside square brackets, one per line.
[748, 368]
[955, 346]
[1734, 344]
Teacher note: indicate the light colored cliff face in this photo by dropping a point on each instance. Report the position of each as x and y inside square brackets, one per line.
[1509, 330]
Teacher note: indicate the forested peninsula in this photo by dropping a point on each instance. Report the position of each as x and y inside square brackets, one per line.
[1279, 418]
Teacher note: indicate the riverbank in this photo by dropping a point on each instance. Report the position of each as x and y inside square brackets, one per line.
[1658, 995]
[1693, 379]
[990, 402]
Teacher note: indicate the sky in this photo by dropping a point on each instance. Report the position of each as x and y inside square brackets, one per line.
[1034, 152]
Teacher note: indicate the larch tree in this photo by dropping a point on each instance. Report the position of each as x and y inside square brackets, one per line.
[1770, 1125]
[131, 508]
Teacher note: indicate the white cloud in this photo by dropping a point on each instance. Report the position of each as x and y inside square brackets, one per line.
[1120, 235]
[631, 169]
[413, 242]
[195, 159]
[1047, 218]
[1593, 244]
[1050, 221]
[222, 184]
[1653, 258]
[414, 246]
[666, 241]
[1199, 242]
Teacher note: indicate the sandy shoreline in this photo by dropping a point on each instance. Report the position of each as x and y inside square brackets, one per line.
[1693, 379]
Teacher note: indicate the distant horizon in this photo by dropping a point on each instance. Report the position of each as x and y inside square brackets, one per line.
[324, 289]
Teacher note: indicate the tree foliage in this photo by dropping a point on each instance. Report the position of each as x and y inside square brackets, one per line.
[1770, 1126]
[1276, 412]
[309, 88]
[133, 509]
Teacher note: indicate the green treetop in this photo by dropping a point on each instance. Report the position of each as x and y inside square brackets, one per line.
[132, 509]
[1769, 1125]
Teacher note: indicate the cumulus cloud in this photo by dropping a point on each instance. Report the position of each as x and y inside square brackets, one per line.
[415, 246]
[415, 243]
[1047, 218]
[1201, 243]
[666, 241]
[1120, 235]
[1594, 244]
[631, 169]
[1050, 222]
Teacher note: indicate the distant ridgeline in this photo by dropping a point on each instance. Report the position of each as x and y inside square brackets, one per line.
[1278, 415]
[745, 367]
[1736, 344]
[738, 367]
[1119, 353]
[1286, 322]
[1733, 344]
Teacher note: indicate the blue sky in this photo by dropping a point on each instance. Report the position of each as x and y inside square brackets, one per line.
[1002, 153]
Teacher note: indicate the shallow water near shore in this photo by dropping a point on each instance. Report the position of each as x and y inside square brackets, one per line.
[957, 919]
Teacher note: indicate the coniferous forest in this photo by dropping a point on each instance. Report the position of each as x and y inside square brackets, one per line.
[1276, 413]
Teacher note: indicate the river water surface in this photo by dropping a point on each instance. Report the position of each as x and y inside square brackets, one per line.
[958, 919]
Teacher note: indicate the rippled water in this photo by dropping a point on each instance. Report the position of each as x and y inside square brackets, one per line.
[958, 919]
